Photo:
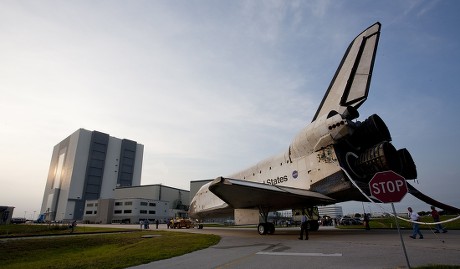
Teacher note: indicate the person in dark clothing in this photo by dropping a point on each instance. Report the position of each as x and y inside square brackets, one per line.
[304, 227]
[366, 221]
[438, 227]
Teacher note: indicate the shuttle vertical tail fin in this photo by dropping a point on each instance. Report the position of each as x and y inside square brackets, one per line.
[351, 81]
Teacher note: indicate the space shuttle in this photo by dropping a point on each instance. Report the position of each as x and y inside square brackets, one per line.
[322, 160]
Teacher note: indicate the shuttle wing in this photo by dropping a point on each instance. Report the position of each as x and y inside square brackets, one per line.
[245, 194]
[351, 81]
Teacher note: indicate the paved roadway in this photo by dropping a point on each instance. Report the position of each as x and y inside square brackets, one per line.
[327, 248]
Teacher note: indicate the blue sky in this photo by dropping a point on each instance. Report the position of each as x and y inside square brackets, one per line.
[212, 87]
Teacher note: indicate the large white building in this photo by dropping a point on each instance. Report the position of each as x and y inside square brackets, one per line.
[88, 165]
[333, 211]
[139, 203]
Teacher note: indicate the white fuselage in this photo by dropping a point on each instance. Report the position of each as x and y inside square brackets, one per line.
[309, 159]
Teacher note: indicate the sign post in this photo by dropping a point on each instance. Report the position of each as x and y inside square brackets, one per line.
[389, 187]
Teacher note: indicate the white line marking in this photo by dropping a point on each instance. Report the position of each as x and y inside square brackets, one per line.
[300, 254]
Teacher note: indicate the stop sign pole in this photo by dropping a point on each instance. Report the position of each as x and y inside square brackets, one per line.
[390, 187]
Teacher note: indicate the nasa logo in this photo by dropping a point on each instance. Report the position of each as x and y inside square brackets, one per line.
[295, 174]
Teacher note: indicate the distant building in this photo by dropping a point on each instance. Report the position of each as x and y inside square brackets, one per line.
[195, 186]
[332, 211]
[139, 203]
[88, 165]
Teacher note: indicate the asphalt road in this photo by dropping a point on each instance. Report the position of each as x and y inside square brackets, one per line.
[327, 248]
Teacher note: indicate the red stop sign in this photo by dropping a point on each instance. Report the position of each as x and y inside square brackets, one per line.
[388, 187]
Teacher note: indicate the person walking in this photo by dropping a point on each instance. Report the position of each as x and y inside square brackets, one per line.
[438, 227]
[73, 225]
[415, 227]
[366, 222]
[304, 227]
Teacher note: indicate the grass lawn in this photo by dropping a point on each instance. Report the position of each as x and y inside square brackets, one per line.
[44, 229]
[119, 250]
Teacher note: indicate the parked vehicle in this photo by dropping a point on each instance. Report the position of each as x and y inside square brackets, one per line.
[346, 220]
[182, 223]
[18, 220]
[357, 221]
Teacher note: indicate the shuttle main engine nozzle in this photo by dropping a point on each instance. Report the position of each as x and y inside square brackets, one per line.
[370, 132]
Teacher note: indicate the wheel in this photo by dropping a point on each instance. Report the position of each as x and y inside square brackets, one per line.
[314, 225]
[270, 228]
[262, 228]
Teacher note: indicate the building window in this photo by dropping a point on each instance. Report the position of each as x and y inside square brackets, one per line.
[152, 212]
[95, 212]
[117, 212]
[144, 203]
[89, 205]
[152, 204]
[143, 211]
[127, 211]
[129, 203]
[89, 212]
[118, 203]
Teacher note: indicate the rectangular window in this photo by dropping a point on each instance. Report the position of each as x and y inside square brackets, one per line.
[144, 203]
[152, 212]
[117, 212]
[127, 211]
[143, 211]
[129, 203]
[89, 205]
[89, 212]
[118, 203]
[152, 204]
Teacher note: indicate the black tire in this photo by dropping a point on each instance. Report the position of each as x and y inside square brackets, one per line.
[262, 228]
[270, 228]
[313, 225]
